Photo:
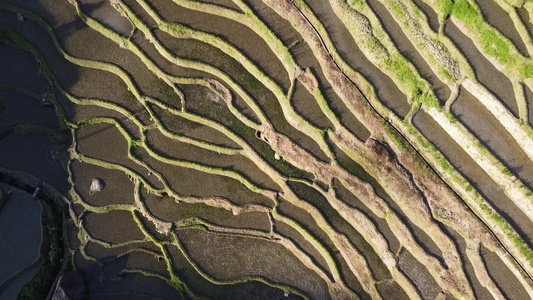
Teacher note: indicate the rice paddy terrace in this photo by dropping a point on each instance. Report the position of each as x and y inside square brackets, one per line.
[272, 149]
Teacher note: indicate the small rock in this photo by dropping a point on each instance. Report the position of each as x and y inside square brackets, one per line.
[286, 294]
[96, 185]
[276, 156]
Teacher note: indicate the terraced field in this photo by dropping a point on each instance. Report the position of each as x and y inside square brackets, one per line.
[272, 149]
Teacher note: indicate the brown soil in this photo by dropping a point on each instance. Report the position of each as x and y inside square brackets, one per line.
[184, 181]
[305, 105]
[406, 48]
[392, 290]
[204, 288]
[182, 126]
[493, 135]
[420, 236]
[118, 188]
[495, 81]
[500, 19]
[346, 118]
[502, 276]
[113, 227]
[255, 258]
[477, 177]
[90, 142]
[173, 149]
[419, 275]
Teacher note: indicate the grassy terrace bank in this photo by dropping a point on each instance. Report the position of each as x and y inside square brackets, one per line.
[265, 164]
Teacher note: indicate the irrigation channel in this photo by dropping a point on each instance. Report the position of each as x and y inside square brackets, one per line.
[269, 149]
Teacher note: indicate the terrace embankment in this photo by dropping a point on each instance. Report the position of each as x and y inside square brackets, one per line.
[487, 74]
[500, 19]
[339, 224]
[474, 174]
[237, 34]
[479, 290]
[386, 90]
[420, 236]
[267, 100]
[306, 221]
[469, 111]
[407, 50]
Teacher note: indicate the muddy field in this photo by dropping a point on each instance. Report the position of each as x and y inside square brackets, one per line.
[20, 240]
[216, 149]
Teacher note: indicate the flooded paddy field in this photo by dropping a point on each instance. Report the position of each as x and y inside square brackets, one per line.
[20, 242]
[184, 182]
[168, 209]
[118, 189]
[21, 69]
[487, 74]
[88, 144]
[173, 149]
[525, 17]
